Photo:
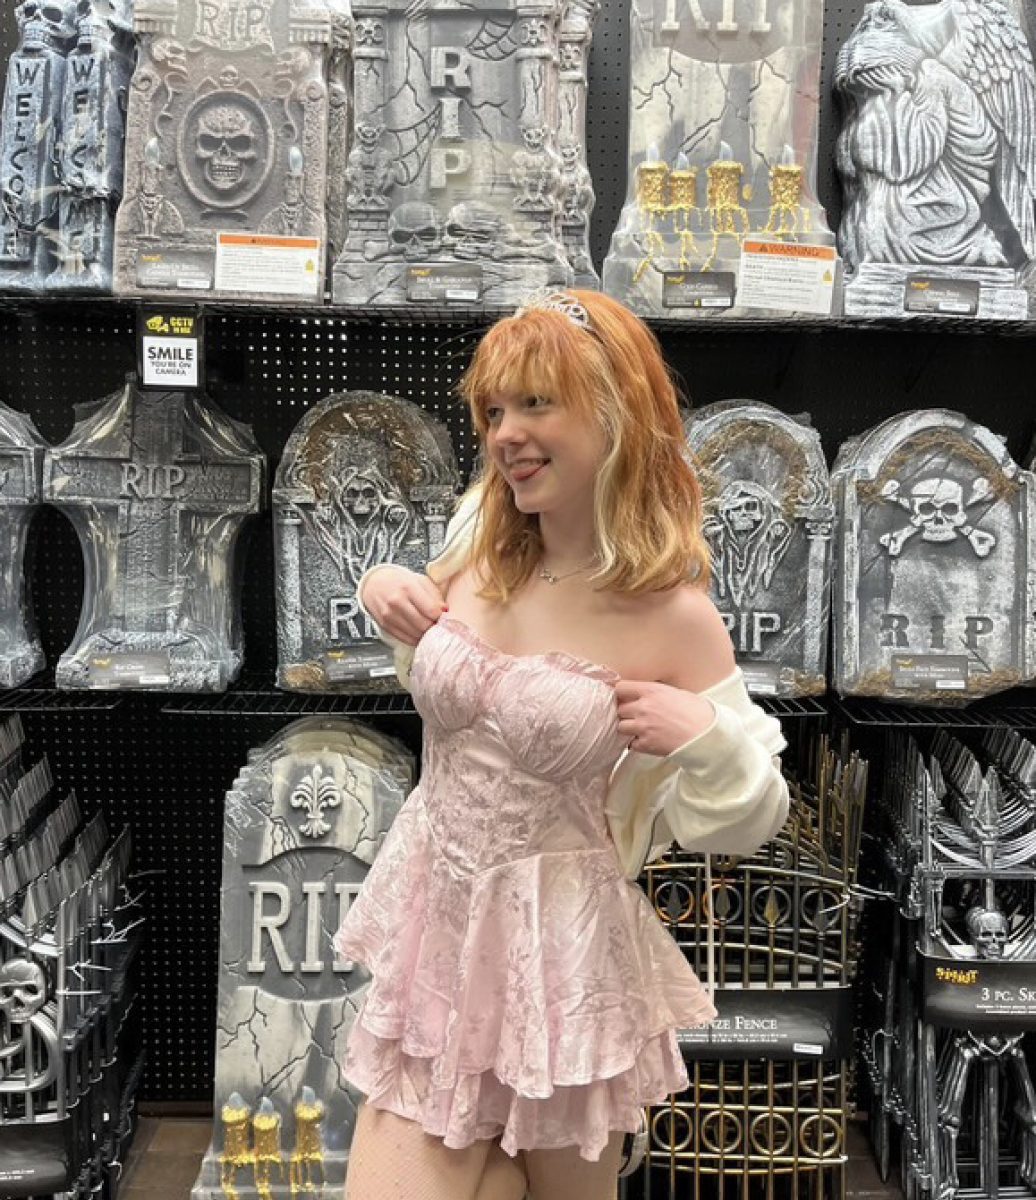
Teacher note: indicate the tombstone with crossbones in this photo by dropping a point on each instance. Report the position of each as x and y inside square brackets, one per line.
[938, 512]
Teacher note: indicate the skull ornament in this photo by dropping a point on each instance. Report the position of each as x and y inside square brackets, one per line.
[23, 990]
[50, 23]
[473, 230]
[226, 144]
[937, 509]
[361, 494]
[987, 928]
[415, 230]
[743, 507]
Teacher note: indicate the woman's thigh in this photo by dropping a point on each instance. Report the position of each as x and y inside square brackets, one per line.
[564, 1175]
[394, 1159]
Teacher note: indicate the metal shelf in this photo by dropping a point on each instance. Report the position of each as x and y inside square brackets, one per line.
[1007, 710]
[40, 695]
[253, 697]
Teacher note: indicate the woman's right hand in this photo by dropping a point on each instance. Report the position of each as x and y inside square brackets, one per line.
[404, 604]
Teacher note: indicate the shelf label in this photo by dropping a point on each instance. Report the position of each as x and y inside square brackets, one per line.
[777, 1024]
[449, 283]
[349, 665]
[142, 669]
[698, 289]
[934, 294]
[979, 993]
[930, 672]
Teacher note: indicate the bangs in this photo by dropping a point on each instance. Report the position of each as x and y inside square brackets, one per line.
[535, 355]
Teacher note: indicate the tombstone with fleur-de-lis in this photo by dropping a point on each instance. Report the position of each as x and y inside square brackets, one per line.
[303, 822]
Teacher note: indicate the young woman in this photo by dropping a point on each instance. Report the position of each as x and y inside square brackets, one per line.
[524, 995]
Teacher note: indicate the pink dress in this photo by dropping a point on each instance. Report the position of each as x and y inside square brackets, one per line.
[522, 988]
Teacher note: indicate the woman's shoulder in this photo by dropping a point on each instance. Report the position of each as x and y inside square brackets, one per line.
[690, 634]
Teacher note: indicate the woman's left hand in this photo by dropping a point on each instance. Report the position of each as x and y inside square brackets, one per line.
[658, 719]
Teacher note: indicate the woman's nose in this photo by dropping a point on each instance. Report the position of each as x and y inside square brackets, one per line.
[510, 429]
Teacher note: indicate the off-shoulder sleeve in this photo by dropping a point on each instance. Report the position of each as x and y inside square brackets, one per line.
[725, 793]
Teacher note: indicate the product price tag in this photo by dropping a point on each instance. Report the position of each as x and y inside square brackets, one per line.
[170, 347]
[777, 1024]
[979, 993]
[280, 266]
[930, 672]
[356, 663]
[761, 679]
[118, 670]
[182, 270]
[456, 283]
[933, 294]
[698, 289]
[788, 276]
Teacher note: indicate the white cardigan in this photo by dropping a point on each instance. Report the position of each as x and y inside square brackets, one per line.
[720, 793]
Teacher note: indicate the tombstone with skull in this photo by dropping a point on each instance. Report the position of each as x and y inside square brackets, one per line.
[768, 522]
[455, 178]
[364, 479]
[227, 137]
[934, 565]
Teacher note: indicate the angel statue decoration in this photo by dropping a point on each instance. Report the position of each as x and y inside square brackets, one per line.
[937, 156]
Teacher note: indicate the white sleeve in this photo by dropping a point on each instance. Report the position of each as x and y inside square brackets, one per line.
[726, 794]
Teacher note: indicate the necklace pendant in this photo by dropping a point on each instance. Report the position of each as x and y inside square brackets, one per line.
[546, 575]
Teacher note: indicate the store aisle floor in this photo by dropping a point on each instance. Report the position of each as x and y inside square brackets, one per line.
[167, 1153]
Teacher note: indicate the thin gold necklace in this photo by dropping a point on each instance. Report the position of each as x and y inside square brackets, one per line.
[548, 576]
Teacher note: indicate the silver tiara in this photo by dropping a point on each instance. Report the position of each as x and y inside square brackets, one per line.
[559, 302]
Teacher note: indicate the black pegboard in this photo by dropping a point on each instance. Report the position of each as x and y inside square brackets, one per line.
[163, 763]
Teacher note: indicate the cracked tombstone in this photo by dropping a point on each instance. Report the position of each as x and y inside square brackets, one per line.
[21, 462]
[768, 521]
[722, 145]
[303, 822]
[364, 479]
[937, 157]
[467, 182]
[158, 486]
[90, 153]
[226, 149]
[29, 143]
[933, 577]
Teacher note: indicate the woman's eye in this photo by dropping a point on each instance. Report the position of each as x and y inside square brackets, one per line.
[492, 414]
[538, 401]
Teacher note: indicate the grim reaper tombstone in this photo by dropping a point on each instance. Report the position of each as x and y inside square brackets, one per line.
[937, 156]
[226, 150]
[722, 144]
[158, 486]
[768, 522]
[364, 479]
[21, 461]
[466, 180]
[304, 821]
[934, 577]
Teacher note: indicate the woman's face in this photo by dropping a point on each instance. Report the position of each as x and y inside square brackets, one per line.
[548, 454]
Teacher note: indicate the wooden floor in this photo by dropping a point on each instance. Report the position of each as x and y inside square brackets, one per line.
[166, 1155]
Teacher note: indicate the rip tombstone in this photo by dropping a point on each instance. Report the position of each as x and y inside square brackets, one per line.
[226, 150]
[21, 463]
[304, 820]
[467, 179]
[158, 486]
[365, 479]
[934, 578]
[768, 518]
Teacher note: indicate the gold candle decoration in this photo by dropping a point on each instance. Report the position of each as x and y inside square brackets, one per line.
[683, 201]
[266, 1132]
[309, 1144]
[787, 214]
[727, 214]
[652, 180]
[237, 1150]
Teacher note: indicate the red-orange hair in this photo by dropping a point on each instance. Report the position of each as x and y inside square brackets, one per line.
[647, 501]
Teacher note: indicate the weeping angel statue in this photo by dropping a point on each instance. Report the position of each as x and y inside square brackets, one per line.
[938, 149]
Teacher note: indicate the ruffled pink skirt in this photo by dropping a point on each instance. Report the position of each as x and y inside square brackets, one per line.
[534, 1002]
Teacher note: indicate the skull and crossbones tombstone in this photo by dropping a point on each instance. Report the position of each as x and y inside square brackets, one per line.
[938, 512]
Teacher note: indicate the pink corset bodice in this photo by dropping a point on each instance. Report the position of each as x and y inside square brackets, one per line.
[518, 750]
